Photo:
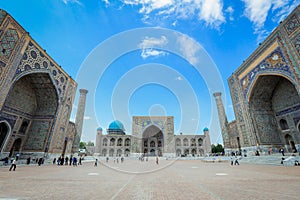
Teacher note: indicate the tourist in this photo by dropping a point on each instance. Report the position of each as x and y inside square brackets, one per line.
[96, 163]
[80, 160]
[40, 162]
[28, 161]
[62, 160]
[54, 160]
[231, 160]
[157, 160]
[13, 164]
[122, 159]
[17, 156]
[71, 160]
[236, 162]
[74, 161]
[107, 159]
[282, 159]
[67, 160]
[281, 151]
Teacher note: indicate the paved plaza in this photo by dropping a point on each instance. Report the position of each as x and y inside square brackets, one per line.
[133, 179]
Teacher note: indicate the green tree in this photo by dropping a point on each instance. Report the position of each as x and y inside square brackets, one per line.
[82, 145]
[217, 148]
[90, 143]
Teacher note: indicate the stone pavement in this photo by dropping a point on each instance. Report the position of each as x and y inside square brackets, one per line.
[133, 179]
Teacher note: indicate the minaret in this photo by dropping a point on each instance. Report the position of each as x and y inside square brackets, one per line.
[207, 140]
[79, 119]
[222, 119]
[98, 141]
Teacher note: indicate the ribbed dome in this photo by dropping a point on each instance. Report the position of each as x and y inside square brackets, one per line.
[205, 129]
[99, 129]
[116, 125]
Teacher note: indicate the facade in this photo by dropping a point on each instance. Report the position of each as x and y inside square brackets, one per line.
[151, 136]
[265, 93]
[36, 96]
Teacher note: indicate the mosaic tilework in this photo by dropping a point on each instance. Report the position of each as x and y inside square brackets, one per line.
[2, 16]
[34, 60]
[37, 136]
[296, 43]
[292, 24]
[8, 43]
[274, 62]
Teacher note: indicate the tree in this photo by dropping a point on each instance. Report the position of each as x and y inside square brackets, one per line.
[90, 143]
[82, 145]
[217, 148]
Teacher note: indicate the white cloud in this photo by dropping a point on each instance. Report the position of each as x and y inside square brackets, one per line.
[257, 12]
[72, 1]
[189, 49]
[230, 11]
[179, 78]
[209, 11]
[152, 52]
[150, 42]
[148, 45]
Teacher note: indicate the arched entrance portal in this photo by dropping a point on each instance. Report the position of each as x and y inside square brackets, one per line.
[271, 98]
[16, 147]
[4, 131]
[34, 98]
[153, 141]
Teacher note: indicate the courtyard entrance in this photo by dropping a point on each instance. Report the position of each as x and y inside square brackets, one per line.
[273, 102]
[153, 141]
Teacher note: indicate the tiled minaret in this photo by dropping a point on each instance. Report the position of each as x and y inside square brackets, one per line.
[222, 119]
[79, 119]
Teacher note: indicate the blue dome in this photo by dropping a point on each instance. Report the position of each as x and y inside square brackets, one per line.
[116, 125]
[205, 129]
[99, 129]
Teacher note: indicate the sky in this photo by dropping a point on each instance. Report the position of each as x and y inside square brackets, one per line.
[150, 57]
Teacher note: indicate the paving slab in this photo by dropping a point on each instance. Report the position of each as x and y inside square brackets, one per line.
[133, 179]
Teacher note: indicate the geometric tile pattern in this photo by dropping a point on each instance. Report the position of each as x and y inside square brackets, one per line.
[37, 136]
[35, 60]
[2, 16]
[292, 24]
[7, 44]
[274, 62]
[296, 43]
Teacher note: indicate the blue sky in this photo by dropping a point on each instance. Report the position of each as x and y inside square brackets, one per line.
[150, 57]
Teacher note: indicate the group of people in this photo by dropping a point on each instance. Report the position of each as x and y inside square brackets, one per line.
[67, 161]
[116, 160]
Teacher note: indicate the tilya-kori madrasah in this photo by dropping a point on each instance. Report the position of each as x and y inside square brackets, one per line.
[265, 94]
[36, 98]
[151, 136]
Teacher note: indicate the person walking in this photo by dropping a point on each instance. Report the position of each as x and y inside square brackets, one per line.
[96, 163]
[236, 162]
[282, 151]
[157, 160]
[13, 165]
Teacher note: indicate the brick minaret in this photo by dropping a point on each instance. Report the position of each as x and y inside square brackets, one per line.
[222, 119]
[79, 119]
